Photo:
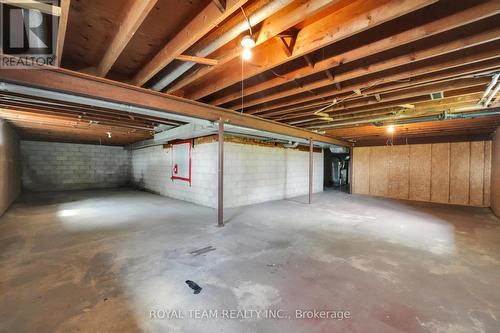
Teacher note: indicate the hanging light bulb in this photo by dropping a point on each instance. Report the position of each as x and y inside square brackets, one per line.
[246, 54]
[390, 129]
[247, 42]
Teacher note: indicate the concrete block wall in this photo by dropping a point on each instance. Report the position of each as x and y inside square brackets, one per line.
[152, 169]
[50, 166]
[252, 173]
[10, 166]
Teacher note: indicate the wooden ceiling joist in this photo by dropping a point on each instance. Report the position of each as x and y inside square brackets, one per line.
[446, 103]
[474, 56]
[61, 33]
[89, 118]
[134, 15]
[351, 19]
[394, 101]
[422, 90]
[41, 6]
[205, 21]
[460, 19]
[56, 118]
[271, 27]
[387, 64]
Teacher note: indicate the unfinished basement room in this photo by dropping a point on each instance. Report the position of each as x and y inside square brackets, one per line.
[250, 166]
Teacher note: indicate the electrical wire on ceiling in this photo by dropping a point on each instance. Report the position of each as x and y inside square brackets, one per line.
[248, 21]
[242, 85]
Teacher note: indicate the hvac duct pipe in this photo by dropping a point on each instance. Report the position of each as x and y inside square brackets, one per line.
[471, 115]
[254, 19]
[220, 187]
[311, 149]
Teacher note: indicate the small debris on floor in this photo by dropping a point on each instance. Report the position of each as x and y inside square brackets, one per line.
[274, 265]
[193, 285]
[203, 250]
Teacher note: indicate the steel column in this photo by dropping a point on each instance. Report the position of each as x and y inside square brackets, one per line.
[351, 164]
[310, 170]
[220, 220]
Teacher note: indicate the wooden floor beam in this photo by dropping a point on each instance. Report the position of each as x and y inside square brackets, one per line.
[70, 82]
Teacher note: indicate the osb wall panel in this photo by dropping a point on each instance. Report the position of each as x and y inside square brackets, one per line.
[399, 164]
[476, 173]
[361, 173]
[420, 172]
[459, 172]
[456, 173]
[379, 180]
[440, 181]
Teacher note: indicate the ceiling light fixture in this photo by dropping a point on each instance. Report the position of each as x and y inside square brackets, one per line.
[246, 54]
[247, 42]
[390, 129]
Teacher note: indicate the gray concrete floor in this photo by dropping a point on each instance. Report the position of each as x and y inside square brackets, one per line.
[102, 261]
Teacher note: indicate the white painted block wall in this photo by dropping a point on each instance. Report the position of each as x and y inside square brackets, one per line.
[53, 166]
[252, 173]
[152, 169]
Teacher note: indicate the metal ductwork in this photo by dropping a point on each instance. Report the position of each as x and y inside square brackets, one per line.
[253, 19]
[190, 131]
[339, 150]
[184, 132]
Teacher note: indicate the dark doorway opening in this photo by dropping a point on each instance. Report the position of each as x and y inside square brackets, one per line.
[337, 169]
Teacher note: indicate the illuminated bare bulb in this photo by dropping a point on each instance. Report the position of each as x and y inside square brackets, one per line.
[390, 129]
[247, 42]
[246, 54]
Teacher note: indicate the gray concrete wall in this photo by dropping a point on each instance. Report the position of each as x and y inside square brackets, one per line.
[252, 173]
[10, 166]
[495, 173]
[50, 166]
[152, 171]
